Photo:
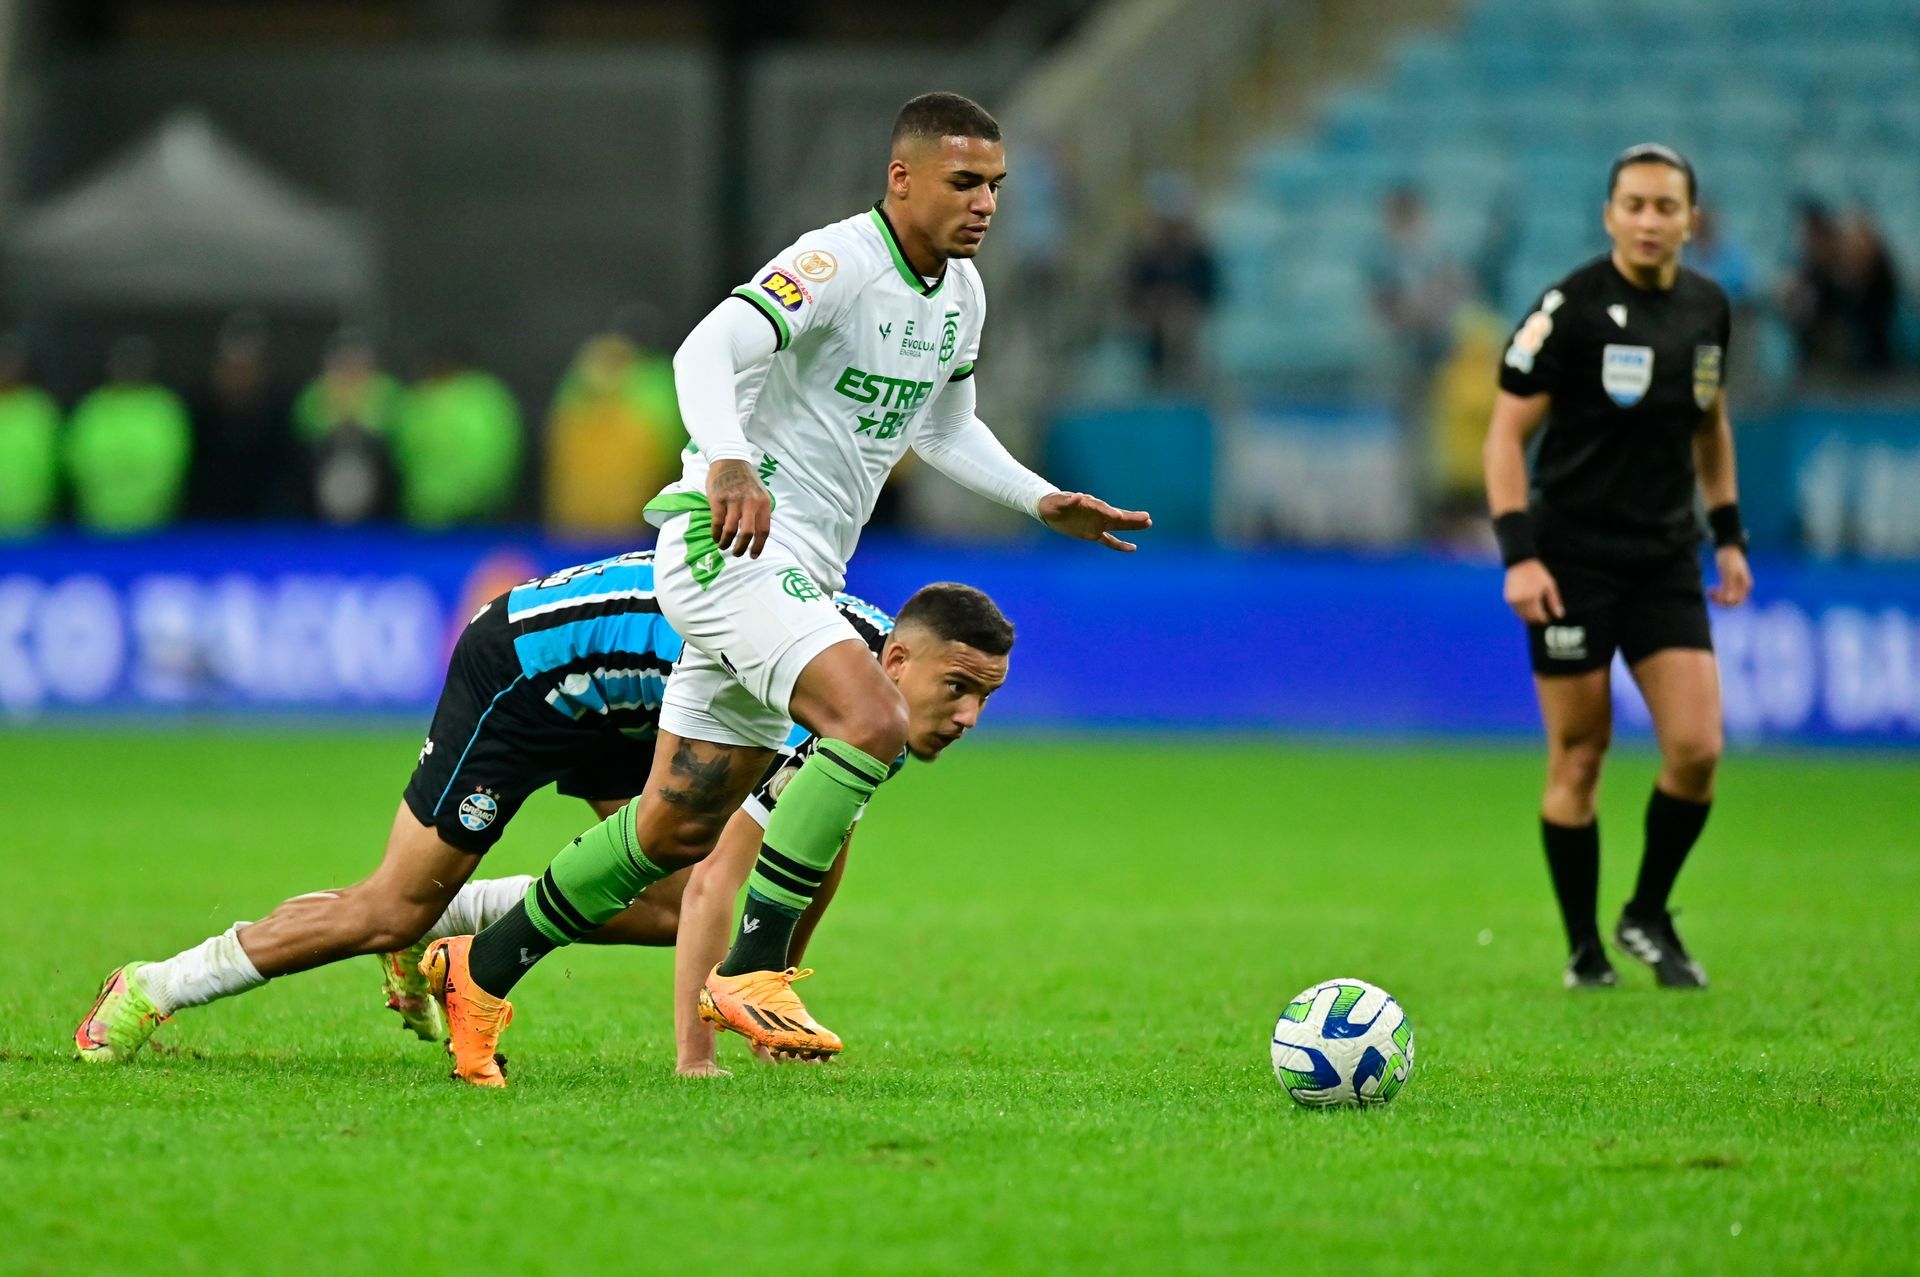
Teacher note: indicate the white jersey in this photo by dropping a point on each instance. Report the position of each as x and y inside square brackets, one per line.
[863, 345]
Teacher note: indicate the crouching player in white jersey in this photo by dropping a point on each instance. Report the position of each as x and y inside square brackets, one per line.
[800, 391]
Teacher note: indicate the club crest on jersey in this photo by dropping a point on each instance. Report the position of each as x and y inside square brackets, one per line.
[478, 810]
[949, 335]
[1706, 375]
[785, 289]
[1626, 372]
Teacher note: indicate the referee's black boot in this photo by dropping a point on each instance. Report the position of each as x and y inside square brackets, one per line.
[1588, 968]
[1650, 937]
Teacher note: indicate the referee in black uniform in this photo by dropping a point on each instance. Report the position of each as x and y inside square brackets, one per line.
[1624, 361]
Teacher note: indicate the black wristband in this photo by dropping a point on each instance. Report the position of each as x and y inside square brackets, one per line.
[1727, 529]
[1514, 531]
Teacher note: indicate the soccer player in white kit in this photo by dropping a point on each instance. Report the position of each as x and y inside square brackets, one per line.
[800, 391]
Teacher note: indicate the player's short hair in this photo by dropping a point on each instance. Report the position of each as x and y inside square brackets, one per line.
[1654, 153]
[959, 614]
[932, 116]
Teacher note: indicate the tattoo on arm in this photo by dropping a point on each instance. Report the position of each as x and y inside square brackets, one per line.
[699, 786]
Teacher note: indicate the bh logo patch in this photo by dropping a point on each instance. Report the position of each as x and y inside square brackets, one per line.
[1566, 642]
[1626, 372]
[478, 810]
[783, 288]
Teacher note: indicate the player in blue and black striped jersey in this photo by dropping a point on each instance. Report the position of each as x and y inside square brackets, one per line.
[558, 681]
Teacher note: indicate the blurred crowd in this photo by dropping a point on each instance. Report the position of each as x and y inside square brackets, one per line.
[352, 443]
[1834, 315]
[1840, 300]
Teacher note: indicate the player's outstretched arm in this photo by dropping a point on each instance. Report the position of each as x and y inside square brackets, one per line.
[959, 445]
[829, 887]
[1088, 518]
[706, 918]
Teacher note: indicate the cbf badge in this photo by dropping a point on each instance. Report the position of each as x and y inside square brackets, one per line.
[1626, 372]
[1706, 375]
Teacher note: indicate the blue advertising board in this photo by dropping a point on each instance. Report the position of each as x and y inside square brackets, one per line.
[307, 625]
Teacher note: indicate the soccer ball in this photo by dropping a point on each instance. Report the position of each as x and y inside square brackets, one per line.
[1343, 1042]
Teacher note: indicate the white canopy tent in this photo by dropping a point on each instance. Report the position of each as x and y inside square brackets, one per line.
[187, 218]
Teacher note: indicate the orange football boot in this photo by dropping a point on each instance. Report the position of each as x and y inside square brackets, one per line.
[475, 1018]
[762, 1007]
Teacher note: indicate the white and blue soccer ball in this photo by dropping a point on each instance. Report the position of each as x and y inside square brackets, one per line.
[1343, 1042]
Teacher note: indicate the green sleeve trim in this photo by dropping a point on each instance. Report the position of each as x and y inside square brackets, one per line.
[783, 332]
[961, 373]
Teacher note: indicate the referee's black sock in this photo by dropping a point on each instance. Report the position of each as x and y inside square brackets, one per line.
[1673, 826]
[1573, 858]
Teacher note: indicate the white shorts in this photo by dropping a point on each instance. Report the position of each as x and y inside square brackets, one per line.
[750, 630]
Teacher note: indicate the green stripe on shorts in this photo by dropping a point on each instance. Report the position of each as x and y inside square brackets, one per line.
[704, 558]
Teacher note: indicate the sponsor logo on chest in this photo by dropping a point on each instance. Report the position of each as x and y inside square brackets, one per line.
[916, 343]
[891, 402]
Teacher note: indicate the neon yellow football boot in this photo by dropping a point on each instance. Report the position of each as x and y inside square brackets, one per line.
[409, 995]
[121, 1021]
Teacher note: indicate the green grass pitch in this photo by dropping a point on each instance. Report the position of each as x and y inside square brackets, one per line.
[1056, 965]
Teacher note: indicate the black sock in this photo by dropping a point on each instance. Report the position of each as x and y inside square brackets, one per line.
[506, 951]
[1673, 826]
[766, 929]
[1573, 858]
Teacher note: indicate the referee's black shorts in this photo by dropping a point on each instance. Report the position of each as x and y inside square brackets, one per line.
[495, 740]
[1637, 608]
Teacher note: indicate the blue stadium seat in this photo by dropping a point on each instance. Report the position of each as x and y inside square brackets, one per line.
[1099, 451]
[1360, 121]
[1506, 126]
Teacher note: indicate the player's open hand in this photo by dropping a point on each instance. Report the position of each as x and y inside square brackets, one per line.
[1076, 514]
[742, 508]
[1736, 578]
[1533, 593]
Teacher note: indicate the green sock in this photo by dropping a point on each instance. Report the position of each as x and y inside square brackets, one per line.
[593, 878]
[804, 834]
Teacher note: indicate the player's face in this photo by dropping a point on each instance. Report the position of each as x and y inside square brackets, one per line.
[946, 686]
[949, 191]
[1649, 216]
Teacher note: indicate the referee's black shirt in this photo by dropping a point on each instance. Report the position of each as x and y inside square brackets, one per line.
[1631, 371]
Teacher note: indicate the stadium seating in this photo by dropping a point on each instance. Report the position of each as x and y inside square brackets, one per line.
[1505, 125]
